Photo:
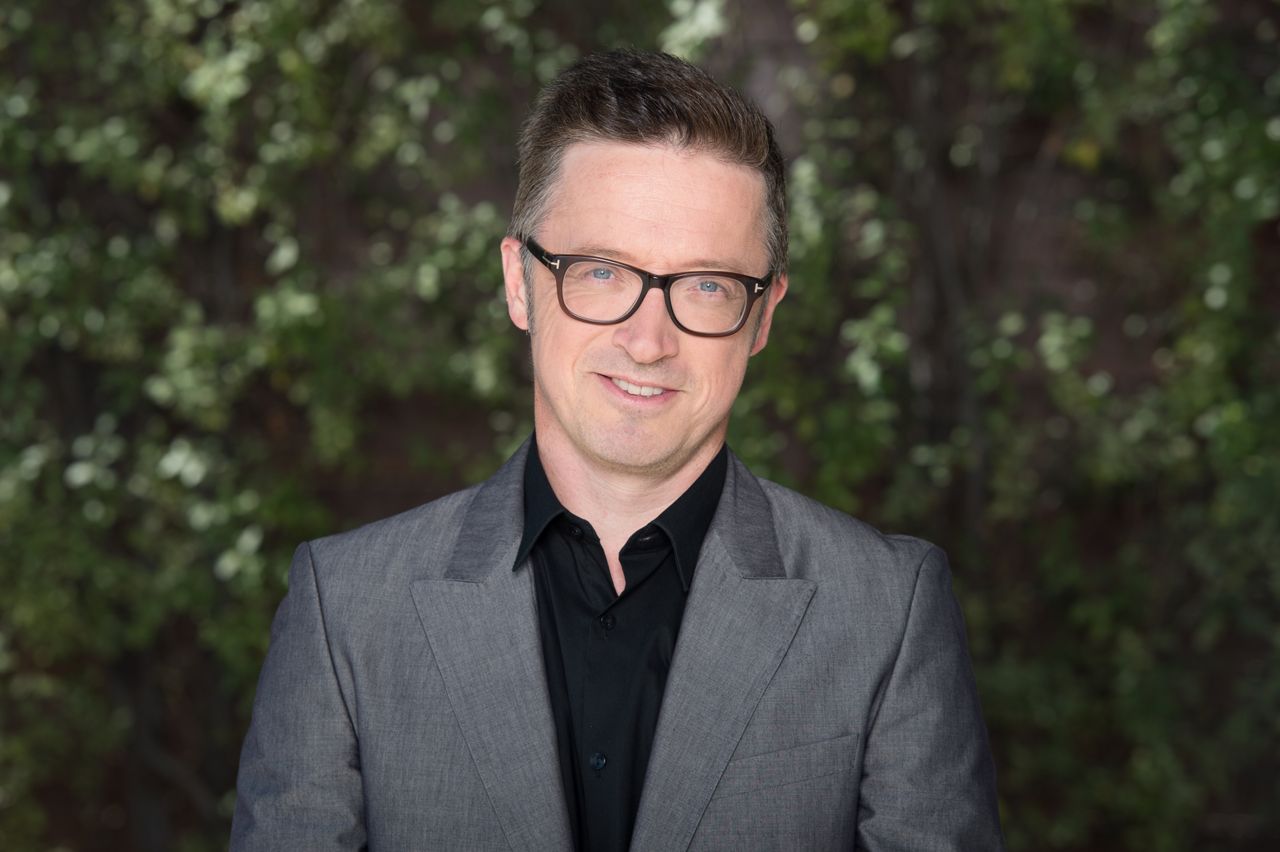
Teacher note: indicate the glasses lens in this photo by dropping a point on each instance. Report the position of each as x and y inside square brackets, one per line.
[599, 291]
[709, 304]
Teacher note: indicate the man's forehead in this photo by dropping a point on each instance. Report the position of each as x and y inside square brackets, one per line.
[723, 263]
[609, 196]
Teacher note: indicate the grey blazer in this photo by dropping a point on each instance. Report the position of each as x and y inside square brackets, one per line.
[820, 697]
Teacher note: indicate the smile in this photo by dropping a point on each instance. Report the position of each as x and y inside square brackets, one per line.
[637, 390]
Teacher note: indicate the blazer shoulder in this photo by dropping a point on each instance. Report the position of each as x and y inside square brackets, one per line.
[820, 542]
[410, 542]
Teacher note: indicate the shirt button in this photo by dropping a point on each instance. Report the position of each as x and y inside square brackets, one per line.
[608, 621]
[598, 761]
[575, 531]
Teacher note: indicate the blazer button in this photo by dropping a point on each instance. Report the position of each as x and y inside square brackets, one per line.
[607, 621]
[598, 761]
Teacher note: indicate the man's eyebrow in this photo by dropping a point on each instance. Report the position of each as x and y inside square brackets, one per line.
[697, 265]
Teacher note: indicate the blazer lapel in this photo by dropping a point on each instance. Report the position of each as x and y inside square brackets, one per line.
[740, 619]
[481, 621]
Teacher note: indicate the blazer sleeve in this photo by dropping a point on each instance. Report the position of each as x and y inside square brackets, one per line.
[928, 780]
[299, 784]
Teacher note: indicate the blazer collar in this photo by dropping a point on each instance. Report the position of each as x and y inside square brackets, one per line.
[744, 523]
[493, 523]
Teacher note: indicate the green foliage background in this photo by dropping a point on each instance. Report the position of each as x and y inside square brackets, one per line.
[249, 294]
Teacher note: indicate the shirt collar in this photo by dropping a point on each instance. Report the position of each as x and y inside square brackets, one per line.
[685, 521]
[541, 505]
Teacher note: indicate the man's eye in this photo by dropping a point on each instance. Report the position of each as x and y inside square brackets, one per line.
[602, 273]
[704, 288]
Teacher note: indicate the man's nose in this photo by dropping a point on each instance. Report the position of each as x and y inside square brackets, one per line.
[649, 335]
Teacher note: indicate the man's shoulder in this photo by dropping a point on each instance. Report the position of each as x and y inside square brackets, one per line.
[413, 540]
[822, 542]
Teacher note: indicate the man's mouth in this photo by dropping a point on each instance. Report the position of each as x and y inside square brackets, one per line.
[636, 390]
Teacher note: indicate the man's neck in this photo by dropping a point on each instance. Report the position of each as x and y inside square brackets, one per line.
[615, 502]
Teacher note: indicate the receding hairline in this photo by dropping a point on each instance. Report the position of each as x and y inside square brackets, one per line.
[674, 143]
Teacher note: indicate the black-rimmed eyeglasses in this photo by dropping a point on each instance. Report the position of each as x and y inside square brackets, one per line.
[604, 292]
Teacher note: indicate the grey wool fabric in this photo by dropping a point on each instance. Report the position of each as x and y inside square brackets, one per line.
[821, 695]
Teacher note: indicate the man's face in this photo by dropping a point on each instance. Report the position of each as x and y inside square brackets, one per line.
[665, 210]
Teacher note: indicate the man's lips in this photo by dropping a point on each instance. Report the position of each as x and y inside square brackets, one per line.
[638, 390]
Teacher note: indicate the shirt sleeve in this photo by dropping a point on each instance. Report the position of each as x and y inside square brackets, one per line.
[299, 784]
[928, 779]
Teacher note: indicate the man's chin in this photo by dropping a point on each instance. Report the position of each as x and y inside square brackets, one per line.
[650, 456]
[636, 460]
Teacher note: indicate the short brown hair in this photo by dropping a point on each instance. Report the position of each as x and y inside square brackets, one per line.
[647, 99]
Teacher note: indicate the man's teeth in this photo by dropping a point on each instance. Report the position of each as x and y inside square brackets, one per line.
[637, 390]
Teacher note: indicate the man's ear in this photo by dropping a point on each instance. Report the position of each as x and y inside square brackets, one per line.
[777, 290]
[513, 281]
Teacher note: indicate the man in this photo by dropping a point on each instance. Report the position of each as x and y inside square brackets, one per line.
[624, 639]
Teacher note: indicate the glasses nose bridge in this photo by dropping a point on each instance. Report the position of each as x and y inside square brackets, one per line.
[653, 281]
[661, 283]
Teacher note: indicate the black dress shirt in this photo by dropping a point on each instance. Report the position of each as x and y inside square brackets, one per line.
[607, 655]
